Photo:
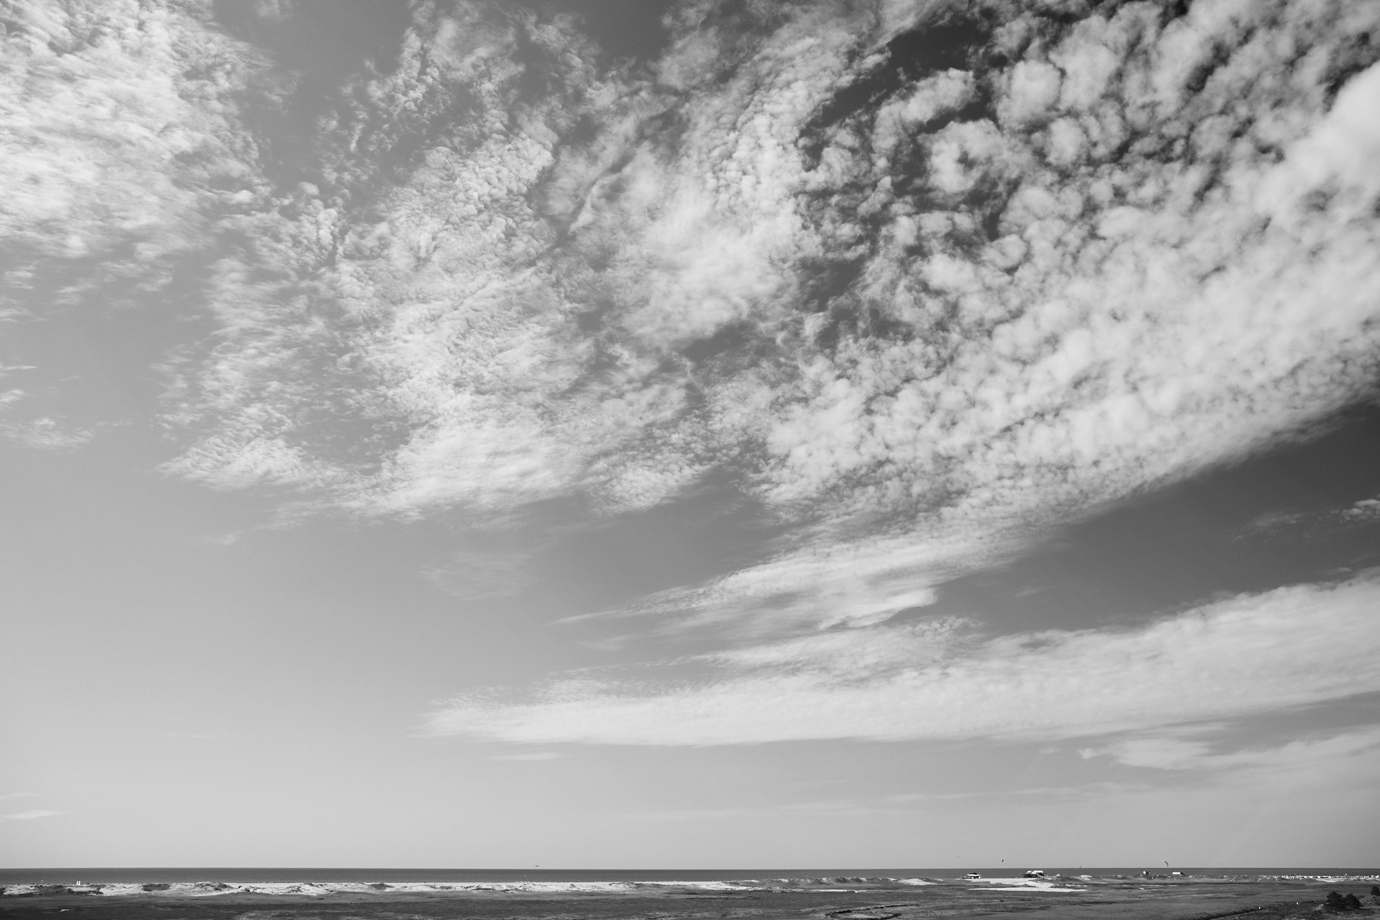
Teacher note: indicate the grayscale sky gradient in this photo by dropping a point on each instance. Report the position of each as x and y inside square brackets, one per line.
[705, 434]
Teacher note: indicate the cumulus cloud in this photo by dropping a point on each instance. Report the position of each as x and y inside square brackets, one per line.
[1368, 509]
[1243, 655]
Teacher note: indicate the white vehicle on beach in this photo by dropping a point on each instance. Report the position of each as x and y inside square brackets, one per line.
[1034, 873]
[971, 877]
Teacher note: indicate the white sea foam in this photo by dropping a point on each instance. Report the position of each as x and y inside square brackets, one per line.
[320, 889]
[1022, 887]
[1025, 884]
[1324, 878]
[823, 884]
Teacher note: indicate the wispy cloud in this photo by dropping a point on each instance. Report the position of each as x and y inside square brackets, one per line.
[1245, 655]
[32, 815]
[528, 756]
[44, 433]
[500, 569]
[1307, 525]
[1187, 749]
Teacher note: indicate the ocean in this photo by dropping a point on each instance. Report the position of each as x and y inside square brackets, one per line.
[246, 875]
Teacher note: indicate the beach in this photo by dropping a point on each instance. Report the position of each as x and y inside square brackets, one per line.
[1265, 897]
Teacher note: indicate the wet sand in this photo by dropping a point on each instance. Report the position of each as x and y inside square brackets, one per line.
[814, 899]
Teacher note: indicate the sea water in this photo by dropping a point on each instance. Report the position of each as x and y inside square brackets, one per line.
[843, 877]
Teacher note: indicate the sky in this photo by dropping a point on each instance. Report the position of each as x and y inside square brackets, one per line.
[689, 433]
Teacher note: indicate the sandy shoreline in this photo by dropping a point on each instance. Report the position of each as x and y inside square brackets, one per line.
[1060, 897]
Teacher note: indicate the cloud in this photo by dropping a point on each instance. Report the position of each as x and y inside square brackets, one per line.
[125, 156]
[43, 432]
[1094, 282]
[1206, 755]
[924, 282]
[1247, 654]
[482, 574]
[226, 539]
[37, 431]
[1177, 753]
[1366, 510]
[19, 795]
[528, 757]
[119, 129]
[854, 653]
[274, 11]
[32, 815]
[1310, 525]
